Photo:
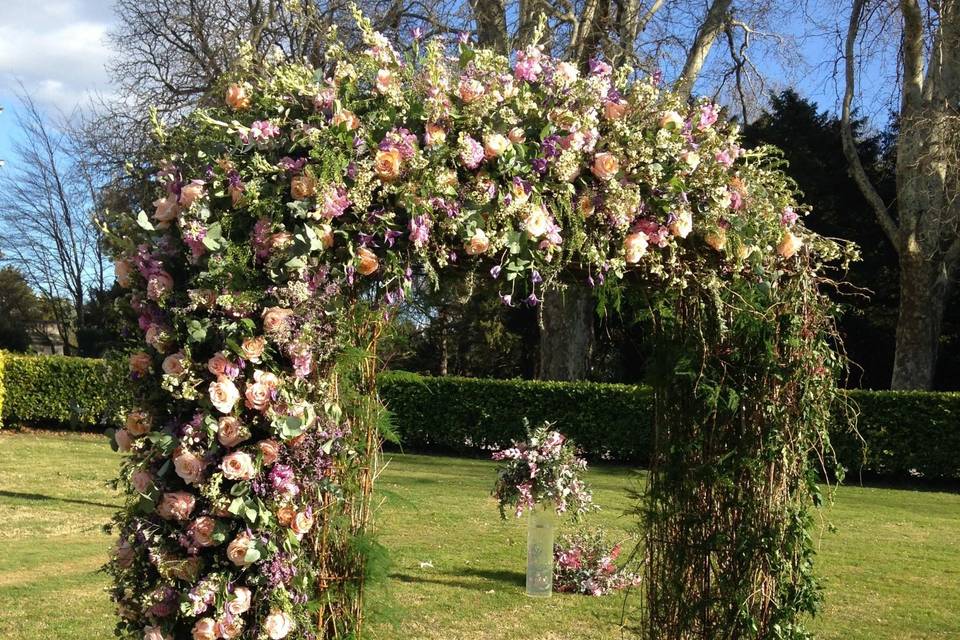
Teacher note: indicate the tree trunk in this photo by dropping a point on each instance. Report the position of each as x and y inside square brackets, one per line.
[566, 333]
[923, 296]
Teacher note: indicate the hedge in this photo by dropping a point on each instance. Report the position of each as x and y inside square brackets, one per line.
[905, 433]
[63, 391]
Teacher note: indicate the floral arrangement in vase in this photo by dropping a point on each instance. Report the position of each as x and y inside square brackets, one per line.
[586, 563]
[544, 469]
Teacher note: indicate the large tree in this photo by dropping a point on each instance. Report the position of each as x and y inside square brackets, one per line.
[922, 222]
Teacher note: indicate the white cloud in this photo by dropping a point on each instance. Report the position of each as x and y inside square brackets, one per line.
[56, 48]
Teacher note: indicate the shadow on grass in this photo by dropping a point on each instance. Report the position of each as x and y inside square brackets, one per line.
[462, 579]
[40, 497]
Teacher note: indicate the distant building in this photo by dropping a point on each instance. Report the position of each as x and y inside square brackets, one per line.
[45, 339]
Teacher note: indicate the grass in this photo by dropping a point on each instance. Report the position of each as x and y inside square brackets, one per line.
[892, 568]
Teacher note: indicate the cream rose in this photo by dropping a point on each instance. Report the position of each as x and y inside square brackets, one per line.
[240, 603]
[142, 480]
[257, 396]
[230, 629]
[205, 629]
[385, 80]
[237, 549]
[671, 120]
[174, 364]
[278, 625]
[471, 90]
[140, 363]
[477, 244]
[138, 422]
[275, 319]
[237, 97]
[387, 164]
[176, 505]
[683, 225]
[224, 395]
[789, 245]
[605, 166]
[368, 261]
[494, 145]
[635, 247]
[189, 466]
[123, 554]
[303, 187]
[252, 348]
[536, 222]
[301, 523]
[231, 432]
[691, 159]
[270, 450]
[238, 466]
[266, 377]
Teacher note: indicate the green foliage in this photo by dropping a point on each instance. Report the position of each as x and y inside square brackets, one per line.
[63, 391]
[470, 415]
[3, 364]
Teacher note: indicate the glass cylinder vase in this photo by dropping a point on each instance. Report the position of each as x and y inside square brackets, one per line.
[540, 533]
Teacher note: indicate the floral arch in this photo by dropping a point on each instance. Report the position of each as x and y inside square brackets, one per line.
[288, 220]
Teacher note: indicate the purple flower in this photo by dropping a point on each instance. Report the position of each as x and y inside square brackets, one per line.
[419, 230]
[416, 33]
[495, 271]
[471, 151]
[535, 277]
[708, 115]
[507, 299]
[788, 217]
[539, 165]
[599, 67]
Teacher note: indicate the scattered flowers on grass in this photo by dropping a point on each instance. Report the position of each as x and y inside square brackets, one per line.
[586, 563]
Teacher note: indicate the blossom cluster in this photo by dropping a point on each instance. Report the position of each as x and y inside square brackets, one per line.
[305, 191]
[545, 469]
[585, 563]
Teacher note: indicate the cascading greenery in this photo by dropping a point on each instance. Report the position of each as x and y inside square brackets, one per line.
[292, 219]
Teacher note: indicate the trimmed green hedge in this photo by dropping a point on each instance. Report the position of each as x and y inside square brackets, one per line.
[63, 391]
[469, 415]
[3, 364]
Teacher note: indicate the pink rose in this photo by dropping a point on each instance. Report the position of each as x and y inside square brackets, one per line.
[252, 348]
[275, 319]
[605, 166]
[635, 247]
[202, 530]
[278, 625]
[385, 80]
[238, 548]
[238, 466]
[140, 363]
[240, 603]
[138, 422]
[124, 554]
[205, 629]
[189, 466]
[267, 378]
[166, 211]
[224, 395]
[159, 284]
[219, 364]
[190, 193]
[176, 505]
[270, 450]
[124, 440]
[257, 396]
[174, 364]
[142, 480]
[155, 633]
[231, 432]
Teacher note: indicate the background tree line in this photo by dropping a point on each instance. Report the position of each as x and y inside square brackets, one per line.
[891, 187]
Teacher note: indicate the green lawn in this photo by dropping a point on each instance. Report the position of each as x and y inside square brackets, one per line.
[892, 569]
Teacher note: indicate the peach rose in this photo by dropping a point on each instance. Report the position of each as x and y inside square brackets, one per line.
[789, 245]
[176, 505]
[605, 166]
[138, 422]
[155, 633]
[252, 348]
[267, 378]
[614, 110]
[347, 118]
[237, 97]
[285, 515]
[387, 164]
[368, 261]
[278, 625]
[231, 432]
[191, 192]
[434, 135]
[123, 270]
[257, 396]
[303, 187]
[202, 530]
[471, 90]
[683, 225]
[385, 80]
[275, 319]
[325, 233]
[123, 552]
[224, 395]
[671, 120]
[124, 441]
[238, 466]
[205, 629]
[270, 450]
[218, 364]
[140, 363]
[240, 603]
[717, 239]
[237, 549]
[174, 364]
[494, 145]
[516, 135]
[586, 205]
[159, 284]
[142, 480]
[635, 247]
[166, 211]
[228, 629]
[301, 523]
[536, 222]
[477, 244]
[189, 466]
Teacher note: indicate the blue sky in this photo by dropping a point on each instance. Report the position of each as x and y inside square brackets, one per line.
[57, 49]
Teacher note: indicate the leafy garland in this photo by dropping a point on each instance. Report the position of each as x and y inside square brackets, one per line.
[287, 221]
